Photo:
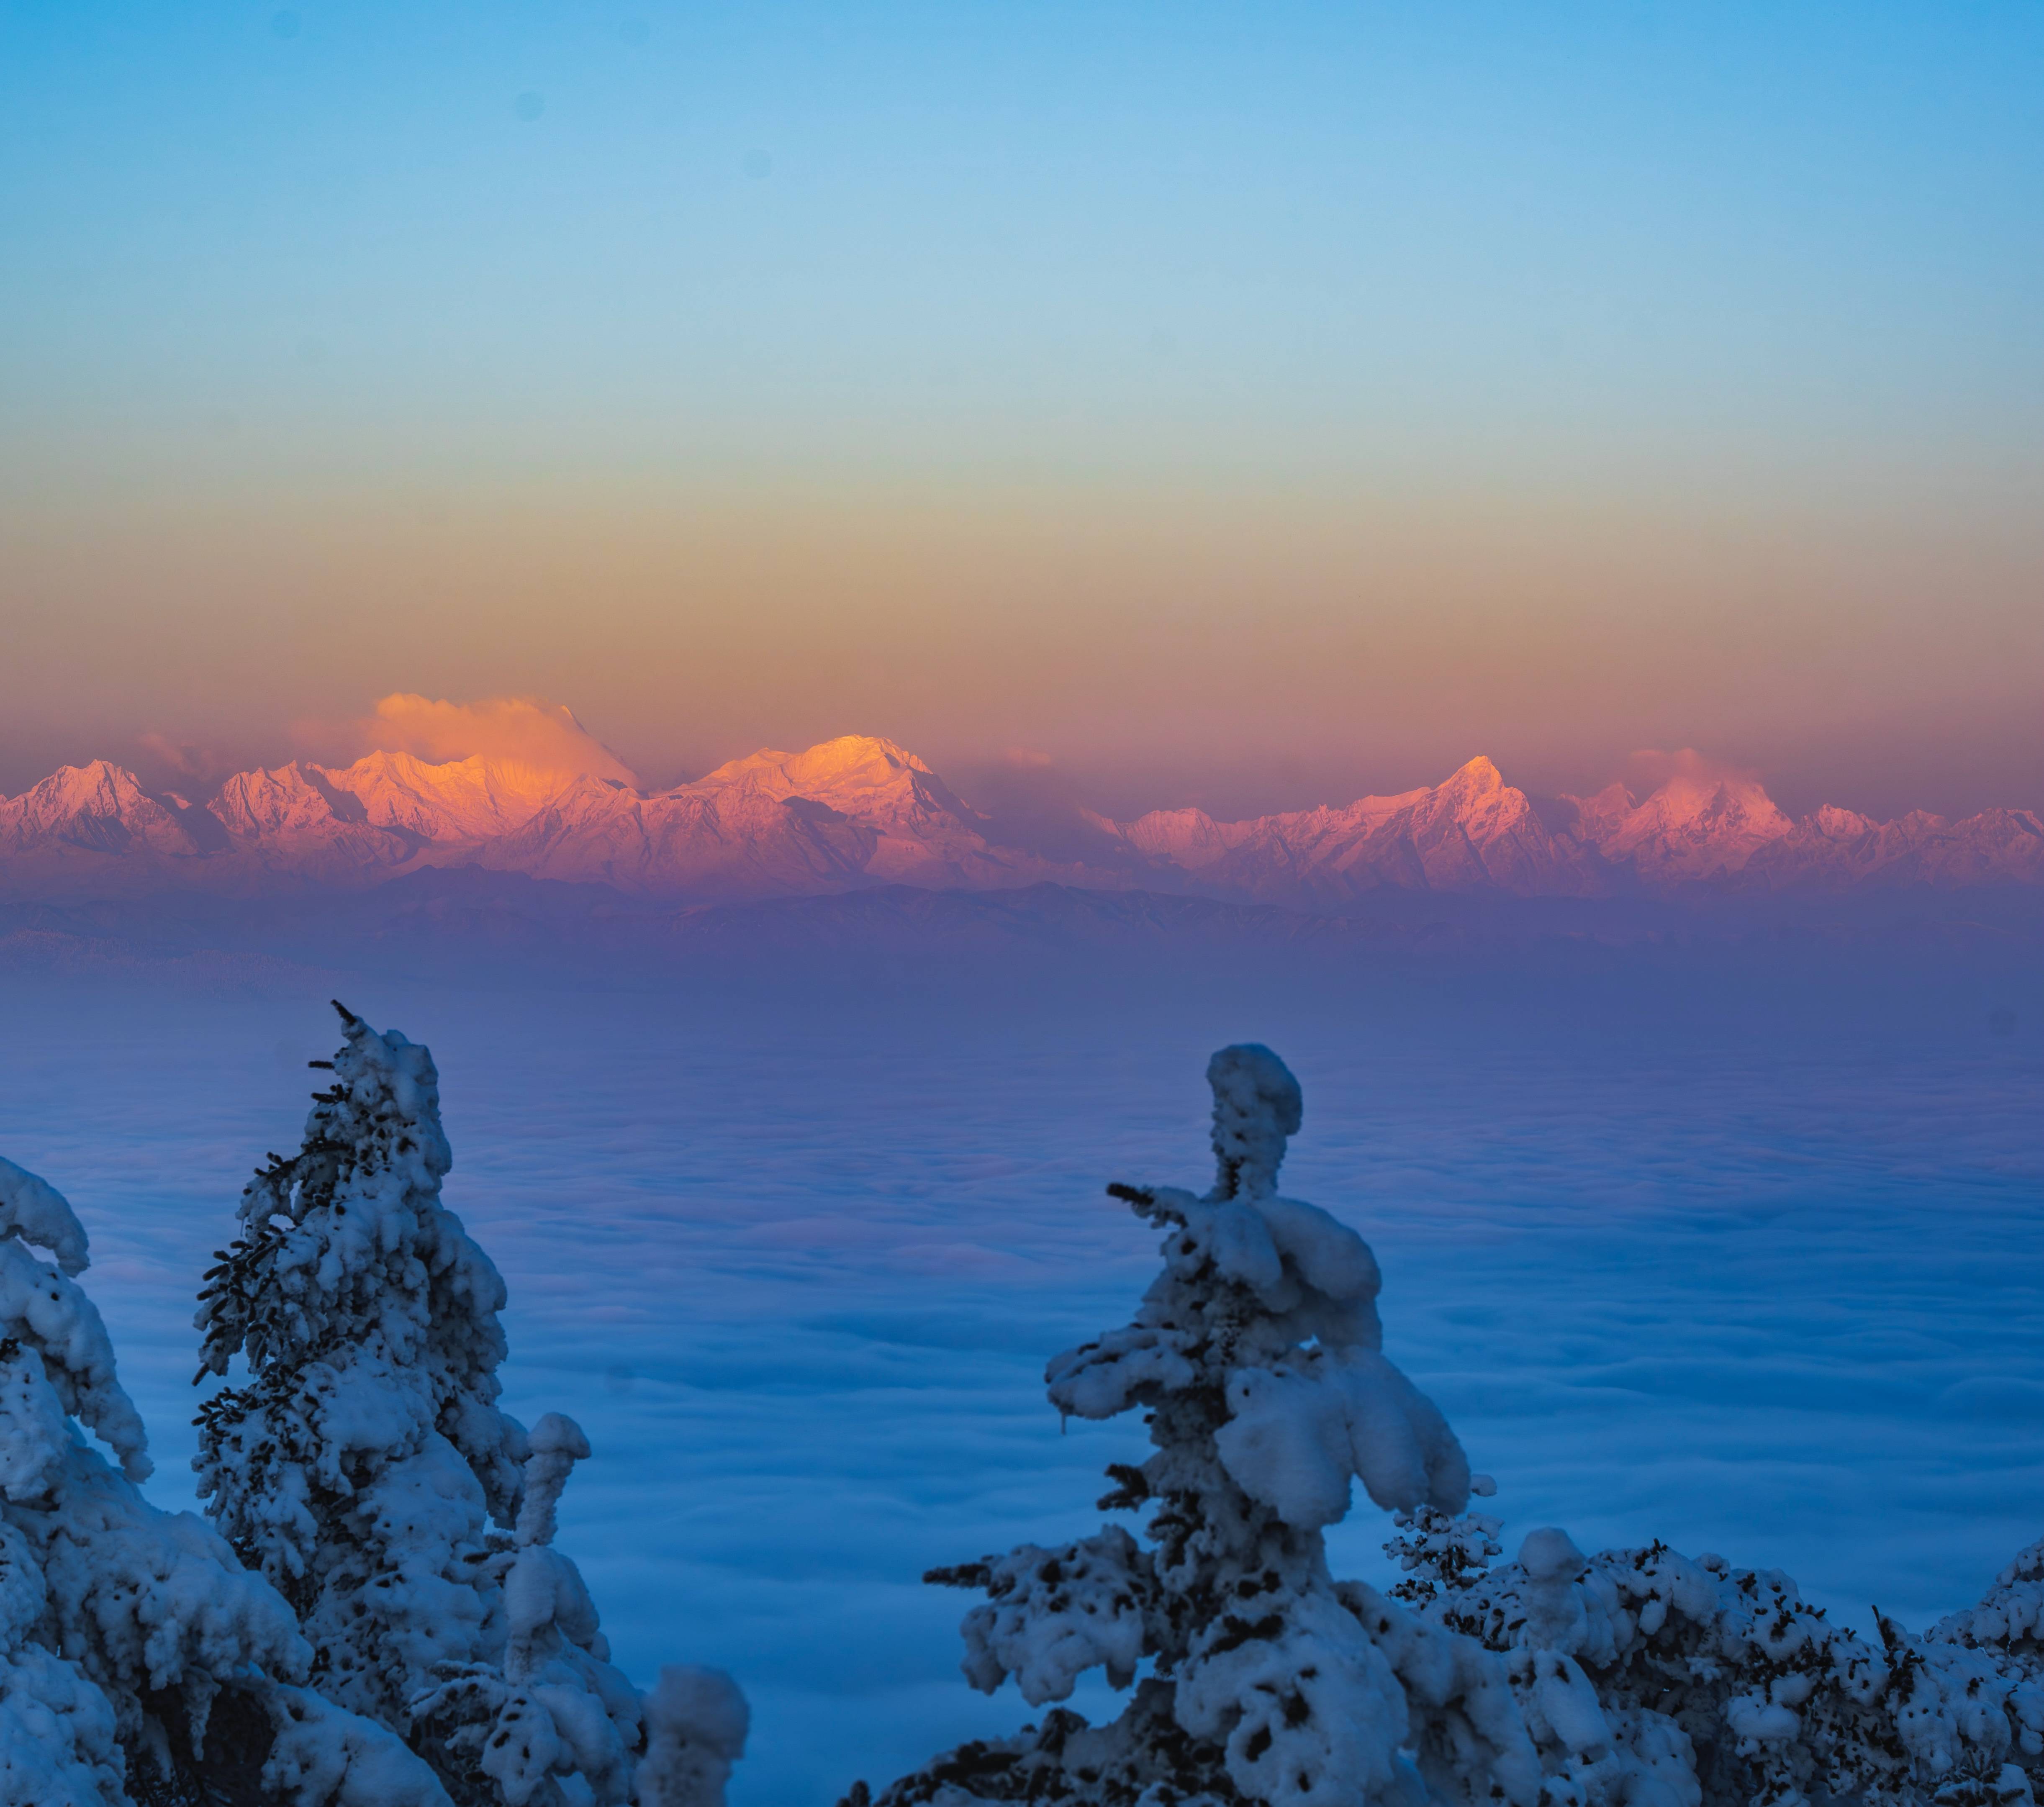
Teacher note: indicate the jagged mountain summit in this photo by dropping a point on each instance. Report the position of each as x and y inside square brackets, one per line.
[860, 811]
[1473, 832]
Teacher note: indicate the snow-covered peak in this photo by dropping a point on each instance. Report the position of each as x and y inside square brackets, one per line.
[1367, 812]
[1476, 798]
[1597, 816]
[1187, 838]
[1718, 804]
[861, 775]
[1834, 824]
[277, 801]
[460, 801]
[1470, 796]
[1472, 832]
[1475, 778]
[926, 831]
[99, 807]
[99, 786]
[1702, 819]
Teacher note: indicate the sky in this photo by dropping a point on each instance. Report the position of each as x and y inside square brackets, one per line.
[1247, 405]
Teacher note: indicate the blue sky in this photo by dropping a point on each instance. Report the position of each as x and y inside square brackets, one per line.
[1756, 286]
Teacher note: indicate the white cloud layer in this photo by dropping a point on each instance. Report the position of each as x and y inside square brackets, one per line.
[1692, 1253]
[514, 730]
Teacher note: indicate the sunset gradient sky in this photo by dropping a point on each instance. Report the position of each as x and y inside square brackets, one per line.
[1247, 405]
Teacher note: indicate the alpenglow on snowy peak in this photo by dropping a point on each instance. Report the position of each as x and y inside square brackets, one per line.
[860, 811]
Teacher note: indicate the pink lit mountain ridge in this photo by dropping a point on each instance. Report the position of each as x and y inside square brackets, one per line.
[860, 812]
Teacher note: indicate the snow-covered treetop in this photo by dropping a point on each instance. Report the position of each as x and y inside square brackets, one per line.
[1271, 1302]
[34, 1210]
[1256, 1106]
[348, 1245]
[1308, 1277]
[55, 1358]
[122, 1626]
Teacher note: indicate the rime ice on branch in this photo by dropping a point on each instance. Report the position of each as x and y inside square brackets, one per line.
[361, 1465]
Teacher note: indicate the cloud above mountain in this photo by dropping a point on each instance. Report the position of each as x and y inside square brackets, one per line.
[523, 731]
[1649, 768]
[186, 762]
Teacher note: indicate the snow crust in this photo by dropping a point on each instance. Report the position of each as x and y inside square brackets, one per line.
[324, 1756]
[1054, 1614]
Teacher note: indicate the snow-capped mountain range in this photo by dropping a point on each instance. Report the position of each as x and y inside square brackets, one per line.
[861, 811]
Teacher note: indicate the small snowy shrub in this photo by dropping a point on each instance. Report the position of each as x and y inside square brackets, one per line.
[359, 1467]
[139, 1662]
[1645, 1676]
[1631, 1678]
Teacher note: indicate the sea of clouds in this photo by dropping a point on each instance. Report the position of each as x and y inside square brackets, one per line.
[1738, 1248]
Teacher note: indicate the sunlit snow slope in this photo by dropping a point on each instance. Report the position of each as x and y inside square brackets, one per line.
[860, 811]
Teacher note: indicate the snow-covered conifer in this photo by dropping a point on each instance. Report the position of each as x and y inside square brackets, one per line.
[1254, 1357]
[139, 1662]
[360, 1465]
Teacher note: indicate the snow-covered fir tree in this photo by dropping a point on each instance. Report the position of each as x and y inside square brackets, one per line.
[1254, 1357]
[1631, 1678]
[139, 1663]
[361, 1465]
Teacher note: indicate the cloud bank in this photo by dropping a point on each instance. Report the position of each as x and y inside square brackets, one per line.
[514, 730]
[1657, 1244]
